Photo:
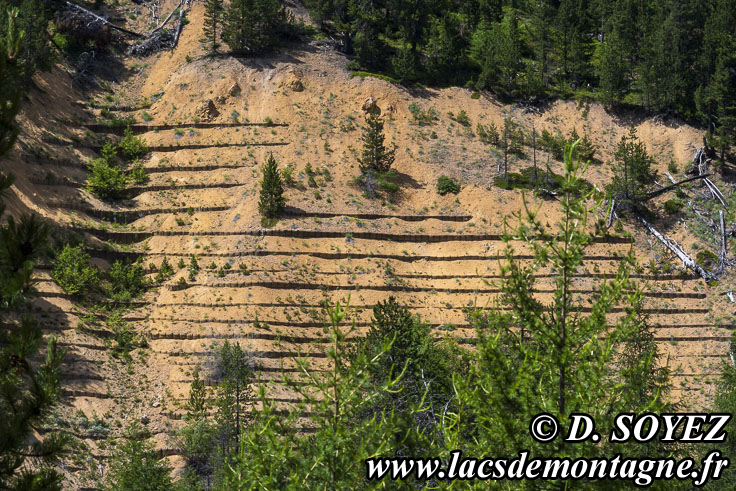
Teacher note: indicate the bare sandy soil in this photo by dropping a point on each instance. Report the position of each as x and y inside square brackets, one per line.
[208, 196]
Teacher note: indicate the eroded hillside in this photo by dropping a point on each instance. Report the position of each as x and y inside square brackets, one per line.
[211, 122]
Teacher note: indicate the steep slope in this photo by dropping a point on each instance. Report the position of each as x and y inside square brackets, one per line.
[211, 123]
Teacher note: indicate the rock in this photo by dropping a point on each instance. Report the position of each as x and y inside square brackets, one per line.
[293, 80]
[220, 100]
[235, 90]
[156, 404]
[207, 111]
[145, 420]
[370, 106]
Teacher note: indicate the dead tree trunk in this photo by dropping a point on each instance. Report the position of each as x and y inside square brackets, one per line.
[677, 250]
[101, 19]
[656, 193]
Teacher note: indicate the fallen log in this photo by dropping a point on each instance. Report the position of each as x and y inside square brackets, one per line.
[101, 19]
[677, 250]
[656, 193]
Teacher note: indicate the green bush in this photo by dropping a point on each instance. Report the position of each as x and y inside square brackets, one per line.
[137, 173]
[107, 180]
[127, 280]
[674, 205]
[132, 147]
[447, 185]
[706, 259]
[73, 272]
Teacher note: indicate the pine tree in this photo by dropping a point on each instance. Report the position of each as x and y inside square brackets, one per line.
[235, 374]
[376, 156]
[427, 363]
[633, 172]
[29, 387]
[10, 86]
[497, 49]
[196, 438]
[213, 16]
[271, 202]
[135, 464]
[197, 404]
[275, 455]
[252, 26]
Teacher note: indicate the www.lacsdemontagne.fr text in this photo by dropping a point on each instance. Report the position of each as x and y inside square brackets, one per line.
[640, 471]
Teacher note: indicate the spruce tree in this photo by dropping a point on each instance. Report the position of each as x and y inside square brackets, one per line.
[272, 201]
[213, 16]
[376, 156]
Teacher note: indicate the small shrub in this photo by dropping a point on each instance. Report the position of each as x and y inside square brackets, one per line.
[287, 174]
[672, 167]
[127, 281]
[124, 337]
[447, 185]
[166, 271]
[147, 116]
[488, 134]
[463, 118]
[423, 117]
[673, 206]
[706, 259]
[131, 147]
[73, 272]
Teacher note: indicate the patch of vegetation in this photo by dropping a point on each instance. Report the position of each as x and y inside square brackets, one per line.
[421, 116]
[447, 185]
[73, 272]
[526, 180]
[673, 206]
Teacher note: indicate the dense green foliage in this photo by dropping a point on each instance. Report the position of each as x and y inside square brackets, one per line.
[126, 281]
[73, 271]
[253, 26]
[271, 200]
[29, 378]
[108, 179]
[447, 185]
[667, 55]
[135, 465]
[29, 388]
